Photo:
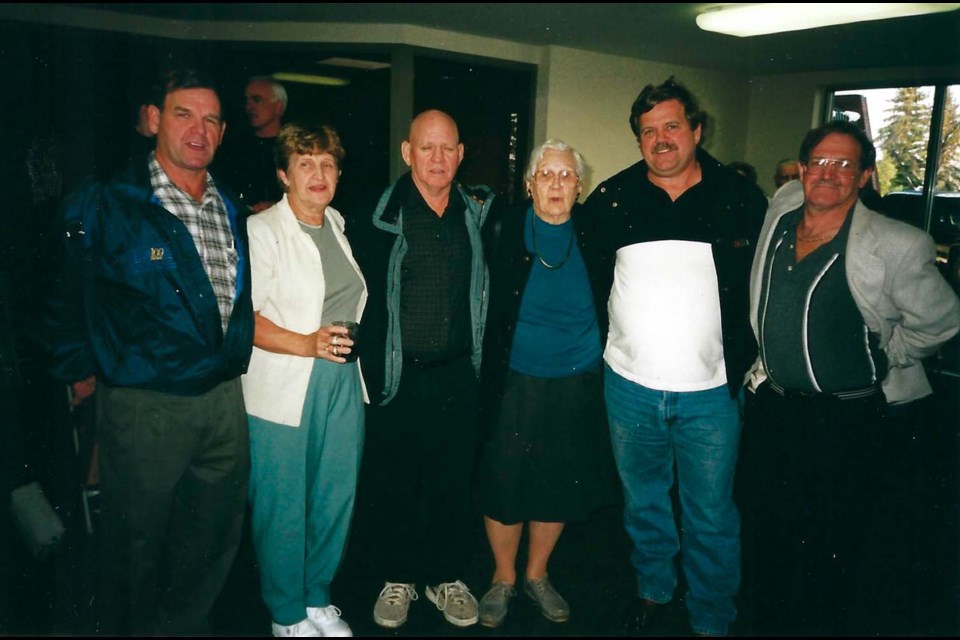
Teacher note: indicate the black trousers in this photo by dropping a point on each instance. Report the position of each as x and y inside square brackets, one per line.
[805, 489]
[414, 501]
[911, 553]
[173, 483]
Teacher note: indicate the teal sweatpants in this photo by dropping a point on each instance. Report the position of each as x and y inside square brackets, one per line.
[302, 485]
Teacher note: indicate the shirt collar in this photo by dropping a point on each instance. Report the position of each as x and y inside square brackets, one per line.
[159, 179]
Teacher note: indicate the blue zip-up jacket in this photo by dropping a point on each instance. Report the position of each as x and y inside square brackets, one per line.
[133, 304]
[379, 247]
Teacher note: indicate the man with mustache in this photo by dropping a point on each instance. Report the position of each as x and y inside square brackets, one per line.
[845, 304]
[677, 234]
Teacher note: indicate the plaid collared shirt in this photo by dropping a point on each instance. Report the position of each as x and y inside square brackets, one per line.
[210, 228]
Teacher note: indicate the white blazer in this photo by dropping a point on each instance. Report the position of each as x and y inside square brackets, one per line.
[288, 289]
[892, 275]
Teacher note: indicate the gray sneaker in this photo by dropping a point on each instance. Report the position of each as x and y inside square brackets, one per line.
[393, 603]
[552, 605]
[455, 600]
[494, 604]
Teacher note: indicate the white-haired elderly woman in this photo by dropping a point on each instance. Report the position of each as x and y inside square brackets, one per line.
[547, 461]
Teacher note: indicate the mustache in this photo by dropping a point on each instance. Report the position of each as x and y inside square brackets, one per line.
[664, 146]
[829, 183]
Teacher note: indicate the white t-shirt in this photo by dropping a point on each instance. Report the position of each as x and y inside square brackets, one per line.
[665, 330]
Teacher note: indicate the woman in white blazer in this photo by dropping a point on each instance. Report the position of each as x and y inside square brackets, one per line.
[303, 391]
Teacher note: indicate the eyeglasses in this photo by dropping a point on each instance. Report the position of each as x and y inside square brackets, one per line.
[548, 176]
[818, 165]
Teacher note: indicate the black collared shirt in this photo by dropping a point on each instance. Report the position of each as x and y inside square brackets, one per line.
[435, 280]
[812, 334]
[247, 166]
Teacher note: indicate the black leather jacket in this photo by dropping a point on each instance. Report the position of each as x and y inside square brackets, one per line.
[616, 210]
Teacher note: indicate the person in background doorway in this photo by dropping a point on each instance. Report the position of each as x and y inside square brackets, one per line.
[786, 171]
[247, 162]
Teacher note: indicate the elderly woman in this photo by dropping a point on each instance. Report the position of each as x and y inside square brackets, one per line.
[303, 391]
[548, 460]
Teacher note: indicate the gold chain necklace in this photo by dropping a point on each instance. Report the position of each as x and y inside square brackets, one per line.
[818, 238]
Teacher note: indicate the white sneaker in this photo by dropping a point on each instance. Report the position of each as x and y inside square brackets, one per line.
[455, 600]
[328, 622]
[393, 603]
[304, 629]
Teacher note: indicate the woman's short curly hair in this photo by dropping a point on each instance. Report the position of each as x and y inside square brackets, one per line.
[304, 139]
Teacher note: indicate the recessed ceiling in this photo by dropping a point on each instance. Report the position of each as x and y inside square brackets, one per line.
[660, 32]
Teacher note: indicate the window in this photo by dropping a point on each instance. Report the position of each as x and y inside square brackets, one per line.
[916, 130]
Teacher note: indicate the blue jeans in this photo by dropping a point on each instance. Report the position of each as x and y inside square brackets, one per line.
[700, 432]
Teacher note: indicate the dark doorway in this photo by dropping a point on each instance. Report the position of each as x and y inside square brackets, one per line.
[72, 100]
[493, 106]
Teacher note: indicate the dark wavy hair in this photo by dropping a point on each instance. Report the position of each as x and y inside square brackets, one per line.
[176, 79]
[652, 95]
[868, 153]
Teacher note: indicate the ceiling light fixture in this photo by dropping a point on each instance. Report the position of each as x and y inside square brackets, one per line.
[745, 20]
[307, 78]
[355, 63]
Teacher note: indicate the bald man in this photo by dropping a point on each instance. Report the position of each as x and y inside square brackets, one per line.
[420, 353]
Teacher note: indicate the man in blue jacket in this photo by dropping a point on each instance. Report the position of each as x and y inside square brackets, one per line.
[152, 310]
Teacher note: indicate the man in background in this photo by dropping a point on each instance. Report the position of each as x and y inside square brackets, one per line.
[785, 172]
[248, 161]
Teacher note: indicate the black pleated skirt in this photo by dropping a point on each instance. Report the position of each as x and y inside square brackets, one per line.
[548, 458]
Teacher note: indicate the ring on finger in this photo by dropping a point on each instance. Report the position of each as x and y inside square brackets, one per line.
[335, 341]
[336, 351]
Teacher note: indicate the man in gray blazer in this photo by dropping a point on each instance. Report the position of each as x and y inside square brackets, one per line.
[845, 304]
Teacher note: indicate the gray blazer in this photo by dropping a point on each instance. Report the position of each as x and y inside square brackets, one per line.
[892, 274]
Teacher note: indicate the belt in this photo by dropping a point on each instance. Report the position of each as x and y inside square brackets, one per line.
[853, 394]
[425, 363]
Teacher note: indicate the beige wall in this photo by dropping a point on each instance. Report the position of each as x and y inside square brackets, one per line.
[587, 97]
[784, 107]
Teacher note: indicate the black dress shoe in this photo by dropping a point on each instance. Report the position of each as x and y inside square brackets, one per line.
[640, 616]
